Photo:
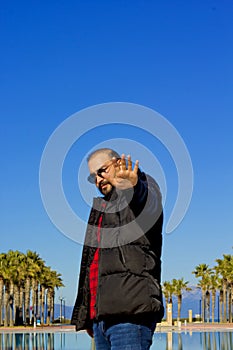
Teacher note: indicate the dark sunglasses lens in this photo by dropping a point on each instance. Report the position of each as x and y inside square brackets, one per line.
[100, 171]
[91, 178]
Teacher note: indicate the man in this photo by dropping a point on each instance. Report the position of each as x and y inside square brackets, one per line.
[119, 297]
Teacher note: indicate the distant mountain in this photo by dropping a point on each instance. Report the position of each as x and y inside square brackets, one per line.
[68, 311]
[190, 301]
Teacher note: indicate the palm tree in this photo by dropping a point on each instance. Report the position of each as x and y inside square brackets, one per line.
[207, 298]
[179, 286]
[6, 294]
[18, 289]
[49, 280]
[230, 281]
[21, 278]
[228, 275]
[2, 280]
[43, 286]
[32, 267]
[203, 271]
[224, 268]
[168, 290]
[204, 285]
[214, 286]
[13, 259]
[10, 274]
[40, 264]
[55, 281]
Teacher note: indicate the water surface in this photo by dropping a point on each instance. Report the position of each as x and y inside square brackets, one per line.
[81, 341]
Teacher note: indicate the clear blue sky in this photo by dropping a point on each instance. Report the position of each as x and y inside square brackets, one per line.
[58, 57]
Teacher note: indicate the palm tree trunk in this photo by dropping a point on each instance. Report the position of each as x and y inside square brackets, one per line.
[39, 299]
[179, 301]
[221, 305]
[203, 306]
[42, 304]
[21, 305]
[1, 298]
[52, 305]
[229, 305]
[231, 301]
[6, 306]
[27, 301]
[213, 305]
[34, 293]
[16, 305]
[48, 316]
[224, 301]
[11, 303]
[207, 306]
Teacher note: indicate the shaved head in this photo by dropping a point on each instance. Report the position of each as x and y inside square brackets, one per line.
[108, 151]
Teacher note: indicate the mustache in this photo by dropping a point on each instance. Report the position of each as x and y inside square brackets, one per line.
[103, 182]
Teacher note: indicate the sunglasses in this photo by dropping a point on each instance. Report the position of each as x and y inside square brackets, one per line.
[92, 177]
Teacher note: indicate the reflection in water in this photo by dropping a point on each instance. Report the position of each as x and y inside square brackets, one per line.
[216, 340]
[73, 340]
[169, 341]
[199, 341]
[180, 344]
[27, 341]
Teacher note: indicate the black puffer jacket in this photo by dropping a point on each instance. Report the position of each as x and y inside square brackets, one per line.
[129, 258]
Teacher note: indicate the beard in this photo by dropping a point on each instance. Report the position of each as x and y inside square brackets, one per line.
[105, 187]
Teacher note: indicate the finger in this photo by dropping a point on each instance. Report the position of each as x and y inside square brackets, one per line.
[129, 163]
[114, 161]
[135, 170]
[123, 162]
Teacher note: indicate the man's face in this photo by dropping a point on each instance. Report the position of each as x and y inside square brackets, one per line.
[101, 161]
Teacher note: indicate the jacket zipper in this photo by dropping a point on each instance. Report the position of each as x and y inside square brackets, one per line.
[99, 240]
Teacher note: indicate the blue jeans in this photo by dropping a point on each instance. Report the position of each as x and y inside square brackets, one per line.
[123, 336]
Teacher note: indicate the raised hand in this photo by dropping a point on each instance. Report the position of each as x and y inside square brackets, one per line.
[124, 176]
